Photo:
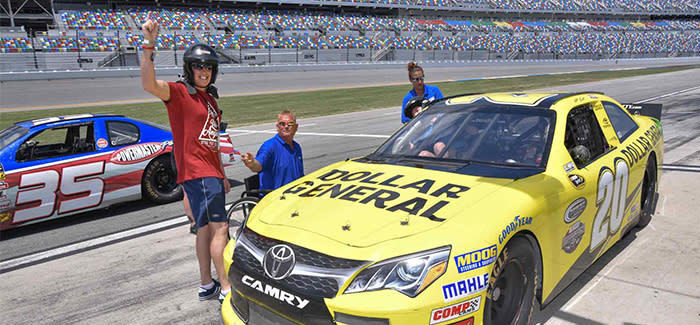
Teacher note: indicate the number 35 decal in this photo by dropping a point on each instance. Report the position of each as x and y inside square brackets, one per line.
[41, 188]
[611, 198]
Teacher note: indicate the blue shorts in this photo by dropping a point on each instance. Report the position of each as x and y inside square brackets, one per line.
[207, 200]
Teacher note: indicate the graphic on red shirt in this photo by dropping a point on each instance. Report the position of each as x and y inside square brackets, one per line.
[209, 137]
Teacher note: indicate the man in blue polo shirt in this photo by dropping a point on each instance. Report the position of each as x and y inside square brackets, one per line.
[279, 159]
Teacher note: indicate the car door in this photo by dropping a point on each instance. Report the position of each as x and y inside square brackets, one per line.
[57, 173]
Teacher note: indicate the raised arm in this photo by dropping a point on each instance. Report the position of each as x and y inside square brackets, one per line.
[158, 88]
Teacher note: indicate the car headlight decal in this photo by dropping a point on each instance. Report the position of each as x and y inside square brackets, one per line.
[409, 274]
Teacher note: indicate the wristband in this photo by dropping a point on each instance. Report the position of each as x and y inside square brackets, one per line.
[148, 47]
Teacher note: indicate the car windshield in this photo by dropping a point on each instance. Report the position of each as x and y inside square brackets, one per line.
[477, 133]
[11, 134]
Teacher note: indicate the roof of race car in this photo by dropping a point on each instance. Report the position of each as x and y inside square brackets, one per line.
[528, 99]
[32, 123]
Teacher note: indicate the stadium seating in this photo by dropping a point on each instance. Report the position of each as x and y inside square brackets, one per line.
[15, 44]
[287, 29]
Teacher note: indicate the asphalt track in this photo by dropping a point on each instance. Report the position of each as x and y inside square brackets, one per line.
[46, 94]
[651, 277]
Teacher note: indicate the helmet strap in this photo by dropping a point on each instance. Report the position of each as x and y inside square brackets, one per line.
[211, 89]
[190, 88]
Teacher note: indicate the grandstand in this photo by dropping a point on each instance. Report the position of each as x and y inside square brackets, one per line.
[302, 31]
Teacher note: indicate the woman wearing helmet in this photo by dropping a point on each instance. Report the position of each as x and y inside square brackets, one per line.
[194, 119]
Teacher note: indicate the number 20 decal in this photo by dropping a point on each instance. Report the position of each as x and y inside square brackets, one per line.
[611, 198]
[41, 188]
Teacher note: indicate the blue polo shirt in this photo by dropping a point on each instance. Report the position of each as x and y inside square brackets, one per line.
[429, 92]
[280, 164]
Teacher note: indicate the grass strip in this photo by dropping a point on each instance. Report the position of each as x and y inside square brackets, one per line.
[254, 109]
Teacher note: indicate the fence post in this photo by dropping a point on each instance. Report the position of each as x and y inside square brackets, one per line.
[36, 63]
[175, 49]
[77, 40]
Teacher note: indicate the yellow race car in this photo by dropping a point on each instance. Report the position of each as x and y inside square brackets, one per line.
[478, 210]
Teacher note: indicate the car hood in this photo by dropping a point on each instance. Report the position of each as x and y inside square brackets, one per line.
[362, 204]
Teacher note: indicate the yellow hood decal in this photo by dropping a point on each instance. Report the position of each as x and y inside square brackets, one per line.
[362, 204]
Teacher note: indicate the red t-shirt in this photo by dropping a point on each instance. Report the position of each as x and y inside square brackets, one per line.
[194, 120]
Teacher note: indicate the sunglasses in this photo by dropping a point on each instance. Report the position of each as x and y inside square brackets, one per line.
[417, 79]
[201, 66]
[285, 124]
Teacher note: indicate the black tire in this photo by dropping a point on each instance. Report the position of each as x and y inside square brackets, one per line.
[649, 193]
[511, 294]
[159, 182]
[238, 213]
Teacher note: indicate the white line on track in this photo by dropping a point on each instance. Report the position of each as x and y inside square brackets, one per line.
[313, 133]
[90, 243]
[681, 168]
[669, 94]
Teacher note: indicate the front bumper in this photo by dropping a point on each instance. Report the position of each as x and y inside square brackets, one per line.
[259, 300]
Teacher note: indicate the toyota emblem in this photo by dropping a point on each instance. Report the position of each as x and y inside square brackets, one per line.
[278, 262]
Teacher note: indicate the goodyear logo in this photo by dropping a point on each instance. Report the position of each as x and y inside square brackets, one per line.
[476, 259]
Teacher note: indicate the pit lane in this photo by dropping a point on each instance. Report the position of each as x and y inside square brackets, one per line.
[649, 277]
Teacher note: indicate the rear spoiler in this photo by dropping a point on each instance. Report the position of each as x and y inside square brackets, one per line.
[653, 110]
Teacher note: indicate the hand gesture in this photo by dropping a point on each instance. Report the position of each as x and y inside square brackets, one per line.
[150, 29]
[248, 159]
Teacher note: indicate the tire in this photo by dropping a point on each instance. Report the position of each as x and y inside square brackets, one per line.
[511, 294]
[238, 213]
[159, 182]
[649, 193]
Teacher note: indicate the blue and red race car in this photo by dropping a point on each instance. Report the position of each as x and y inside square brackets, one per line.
[59, 166]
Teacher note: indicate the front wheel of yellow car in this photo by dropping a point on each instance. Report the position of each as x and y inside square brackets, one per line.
[512, 285]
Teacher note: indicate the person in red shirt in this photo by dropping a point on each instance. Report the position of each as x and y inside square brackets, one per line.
[194, 119]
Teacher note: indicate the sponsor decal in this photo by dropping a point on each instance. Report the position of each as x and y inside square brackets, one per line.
[569, 167]
[5, 217]
[512, 226]
[573, 237]
[641, 146]
[274, 292]
[380, 191]
[575, 209]
[2, 173]
[279, 261]
[577, 180]
[136, 153]
[466, 287]
[476, 259]
[455, 311]
[102, 143]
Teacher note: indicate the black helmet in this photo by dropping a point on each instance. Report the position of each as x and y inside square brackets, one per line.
[413, 103]
[201, 53]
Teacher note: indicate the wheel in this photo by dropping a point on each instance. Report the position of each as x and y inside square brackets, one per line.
[238, 213]
[649, 195]
[510, 298]
[159, 182]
